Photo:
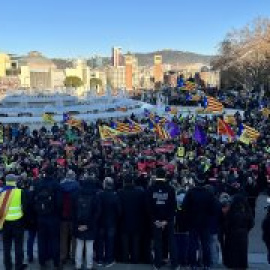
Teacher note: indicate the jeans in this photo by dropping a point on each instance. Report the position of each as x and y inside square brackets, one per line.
[13, 231]
[201, 236]
[30, 244]
[158, 235]
[49, 240]
[79, 253]
[105, 242]
[214, 249]
[130, 247]
[182, 246]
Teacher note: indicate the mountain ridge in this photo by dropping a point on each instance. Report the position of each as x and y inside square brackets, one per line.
[147, 58]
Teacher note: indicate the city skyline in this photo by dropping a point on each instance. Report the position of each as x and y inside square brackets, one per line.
[67, 30]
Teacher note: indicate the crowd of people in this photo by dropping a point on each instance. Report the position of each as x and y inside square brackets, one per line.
[92, 202]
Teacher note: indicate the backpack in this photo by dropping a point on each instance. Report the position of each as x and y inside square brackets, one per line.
[44, 201]
[84, 208]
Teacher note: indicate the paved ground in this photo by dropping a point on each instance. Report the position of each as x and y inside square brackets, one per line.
[257, 249]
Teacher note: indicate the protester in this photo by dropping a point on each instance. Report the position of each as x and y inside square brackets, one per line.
[132, 202]
[201, 201]
[14, 202]
[239, 223]
[69, 188]
[162, 206]
[48, 205]
[86, 211]
[107, 224]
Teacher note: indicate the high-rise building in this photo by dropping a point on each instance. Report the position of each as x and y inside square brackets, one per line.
[129, 71]
[117, 56]
[158, 73]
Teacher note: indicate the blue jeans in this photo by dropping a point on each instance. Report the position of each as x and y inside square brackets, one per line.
[214, 249]
[105, 245]
[30, 244]
[200, 238]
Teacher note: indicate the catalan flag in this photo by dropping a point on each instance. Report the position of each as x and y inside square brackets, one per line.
[106, 132]
[48, 118]
[250, 132]
[224, 129]
[75, 123]
[188, 86]
[230, 119]
[130, 127]
[211, 104]
[266, 112]
[5, 200]
[161, 132]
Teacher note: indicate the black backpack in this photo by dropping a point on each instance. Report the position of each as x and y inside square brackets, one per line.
[44, 201]
[84, 208]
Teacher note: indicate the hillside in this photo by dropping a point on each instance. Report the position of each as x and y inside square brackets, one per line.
[173, 57]
[146, 59]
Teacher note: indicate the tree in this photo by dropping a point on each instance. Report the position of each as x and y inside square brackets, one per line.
[73, 81]
[95, 82]
[244, 56]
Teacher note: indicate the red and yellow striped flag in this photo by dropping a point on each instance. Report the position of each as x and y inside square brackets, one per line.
[161, 132]
[251, 133]
[213, 105]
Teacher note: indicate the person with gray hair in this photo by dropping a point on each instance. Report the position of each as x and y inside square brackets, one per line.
[110, 212]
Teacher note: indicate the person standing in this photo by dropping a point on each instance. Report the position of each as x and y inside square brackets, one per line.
[161, 201]
[132, 200]
[69, 188]
[239, 223]
[199, 205]
[86, 210]
[12, 206]
[48, 205]
[110, 212]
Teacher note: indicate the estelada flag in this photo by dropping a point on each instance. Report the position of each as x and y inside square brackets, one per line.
[251, 133]
[224, 129]
[212, 105]
[106, 132]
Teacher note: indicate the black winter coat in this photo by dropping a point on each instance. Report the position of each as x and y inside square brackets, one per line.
[199, 205]
[94, 213]
[110, 209]
[239, 223]
[161, 200]
[132, 200]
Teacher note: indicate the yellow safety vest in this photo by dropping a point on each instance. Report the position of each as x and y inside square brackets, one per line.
[14, 211]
